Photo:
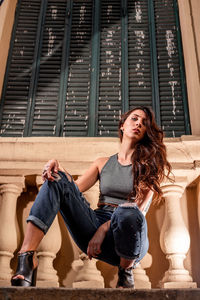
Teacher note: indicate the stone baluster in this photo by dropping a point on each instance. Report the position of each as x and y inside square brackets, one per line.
[10, 190]
[140, 277]
[46, 253]
[92, 195]
[87, 274]
[175, 240]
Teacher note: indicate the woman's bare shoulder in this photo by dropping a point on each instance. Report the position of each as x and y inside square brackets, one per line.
[100, 162]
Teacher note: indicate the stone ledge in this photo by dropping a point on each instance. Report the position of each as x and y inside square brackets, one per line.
[183, 150]
[13, 293]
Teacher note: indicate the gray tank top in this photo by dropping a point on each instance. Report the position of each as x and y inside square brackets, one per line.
[116, 182]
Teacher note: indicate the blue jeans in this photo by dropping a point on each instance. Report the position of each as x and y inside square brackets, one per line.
[127, 236]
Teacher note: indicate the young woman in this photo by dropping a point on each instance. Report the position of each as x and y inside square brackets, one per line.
[116, 232]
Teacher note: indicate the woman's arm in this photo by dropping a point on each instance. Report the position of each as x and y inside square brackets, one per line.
[84, 182]
[90, 177]
[94, 245]
[144, 206]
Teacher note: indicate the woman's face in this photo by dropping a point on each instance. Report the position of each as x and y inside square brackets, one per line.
[135, 125]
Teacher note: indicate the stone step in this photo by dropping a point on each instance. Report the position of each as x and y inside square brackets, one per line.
[34, 293]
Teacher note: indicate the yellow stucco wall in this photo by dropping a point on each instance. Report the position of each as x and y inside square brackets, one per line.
[190, 29]
[7, 12]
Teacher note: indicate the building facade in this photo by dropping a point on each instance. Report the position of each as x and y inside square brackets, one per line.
[172, 260]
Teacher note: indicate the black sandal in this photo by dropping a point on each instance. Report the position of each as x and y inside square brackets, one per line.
[125, 278]
[25, 268]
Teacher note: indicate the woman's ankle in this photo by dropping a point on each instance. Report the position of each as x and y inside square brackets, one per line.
[126, 263]
[24, 250]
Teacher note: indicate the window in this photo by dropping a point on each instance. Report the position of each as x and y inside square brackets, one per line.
[75, 66]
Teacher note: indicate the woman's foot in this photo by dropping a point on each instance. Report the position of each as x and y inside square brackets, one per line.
[26, 270]
[125, 278]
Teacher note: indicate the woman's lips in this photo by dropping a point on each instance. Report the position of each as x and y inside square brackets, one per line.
[136, 130]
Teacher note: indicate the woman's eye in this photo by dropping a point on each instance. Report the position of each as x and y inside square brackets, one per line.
[134, 119]
[145, 123]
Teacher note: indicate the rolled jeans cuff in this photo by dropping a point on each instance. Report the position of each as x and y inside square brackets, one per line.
[37, 222]
[133, 257]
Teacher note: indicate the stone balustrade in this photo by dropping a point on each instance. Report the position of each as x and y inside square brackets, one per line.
[175, 239]
[21, 163]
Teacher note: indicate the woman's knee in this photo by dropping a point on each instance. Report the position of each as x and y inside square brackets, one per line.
[127, 218]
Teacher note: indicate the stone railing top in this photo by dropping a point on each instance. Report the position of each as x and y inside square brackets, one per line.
[24, 156]
[61, 148]
[183, 149]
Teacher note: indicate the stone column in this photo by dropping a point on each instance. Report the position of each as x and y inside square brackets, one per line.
[46, 253]
[10, 190]
[175, 240]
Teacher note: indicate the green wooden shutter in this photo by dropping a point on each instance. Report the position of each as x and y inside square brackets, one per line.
[169, 69]
[110, 68]
[16, 91]
[45, 101]
[125, 61]
[78, 84]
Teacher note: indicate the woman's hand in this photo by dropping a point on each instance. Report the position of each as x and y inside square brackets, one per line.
[52, 166]
[94, 246]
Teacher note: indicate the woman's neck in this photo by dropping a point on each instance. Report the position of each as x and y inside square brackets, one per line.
[125, 153]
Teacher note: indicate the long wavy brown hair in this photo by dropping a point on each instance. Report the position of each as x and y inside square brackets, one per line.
[149, 159]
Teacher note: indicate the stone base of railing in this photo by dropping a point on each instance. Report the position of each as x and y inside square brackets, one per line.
[4, 283]
[178, 285]
[21, 293]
